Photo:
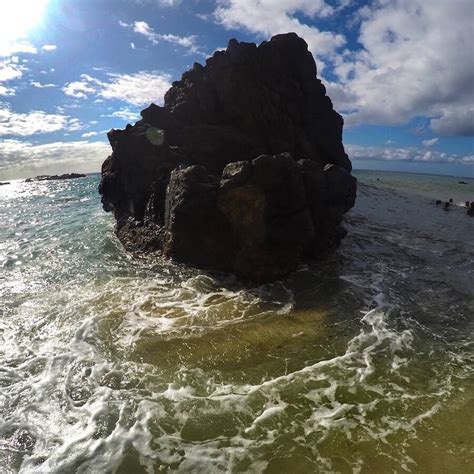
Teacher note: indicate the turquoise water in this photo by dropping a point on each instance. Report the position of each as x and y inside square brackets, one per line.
[430, 187]
[362, 363]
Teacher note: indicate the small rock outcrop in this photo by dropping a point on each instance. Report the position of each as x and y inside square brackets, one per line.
[54, 177]
[243, 169]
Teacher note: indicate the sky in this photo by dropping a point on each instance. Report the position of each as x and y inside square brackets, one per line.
[401, 72]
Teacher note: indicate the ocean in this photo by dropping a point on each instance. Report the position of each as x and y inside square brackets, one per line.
[362, 363]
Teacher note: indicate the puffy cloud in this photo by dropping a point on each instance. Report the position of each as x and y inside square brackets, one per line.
[144, 29]
[137, 89]
[89, 134]
[412, 57]
[10, 68]
[49, 47]
[23, 159]
[36, 121]
[360, 152]
[269, 17]
[83, 88]
[431, 142]
[6, 90]
[407, 67]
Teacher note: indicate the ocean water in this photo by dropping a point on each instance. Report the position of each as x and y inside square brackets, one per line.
[362, 363]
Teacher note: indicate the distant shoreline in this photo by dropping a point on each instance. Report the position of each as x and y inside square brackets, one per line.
[355, 170]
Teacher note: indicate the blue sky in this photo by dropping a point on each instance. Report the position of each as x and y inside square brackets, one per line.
[401, 72]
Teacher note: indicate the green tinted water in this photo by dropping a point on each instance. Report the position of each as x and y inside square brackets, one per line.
[111, 364]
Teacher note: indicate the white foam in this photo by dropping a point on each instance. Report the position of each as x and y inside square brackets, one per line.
[269, 412]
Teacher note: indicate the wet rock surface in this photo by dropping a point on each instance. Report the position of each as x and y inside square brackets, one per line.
[242, 170]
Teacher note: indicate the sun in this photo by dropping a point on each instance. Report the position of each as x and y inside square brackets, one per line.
[18, 17]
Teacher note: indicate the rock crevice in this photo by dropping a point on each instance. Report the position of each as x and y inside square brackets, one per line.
[243, 169]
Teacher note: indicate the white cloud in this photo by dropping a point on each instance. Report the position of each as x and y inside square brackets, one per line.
[408, 67]
[137, 89]
[89, 134]
[23, 159]
[161, 3]
[41, 86]
[10, 68]
[204, 16]
[49, 47]
[169, 3]
[36, 121]
[125, 113]
[7, 48]
[6, 91]
[269, 17]
[360, 152]
[404, 65]
[431, 142]
[144, 29]
[83, 88]
[132, 45]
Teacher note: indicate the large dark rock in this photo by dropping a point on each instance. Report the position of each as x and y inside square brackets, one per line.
[242, 170]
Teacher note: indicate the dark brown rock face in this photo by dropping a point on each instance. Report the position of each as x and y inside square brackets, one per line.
[242, 170]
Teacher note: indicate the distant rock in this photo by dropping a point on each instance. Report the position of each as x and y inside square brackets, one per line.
[46, 177]
[3, 183]
[242, 170]
[462, 182]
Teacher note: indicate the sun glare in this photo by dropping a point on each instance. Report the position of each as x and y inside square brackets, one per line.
[17, 17]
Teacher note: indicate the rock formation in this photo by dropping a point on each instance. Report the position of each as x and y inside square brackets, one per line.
[242, 169]
[55, 177]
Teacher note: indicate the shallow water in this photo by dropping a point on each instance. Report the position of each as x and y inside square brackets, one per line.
[363, 363]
